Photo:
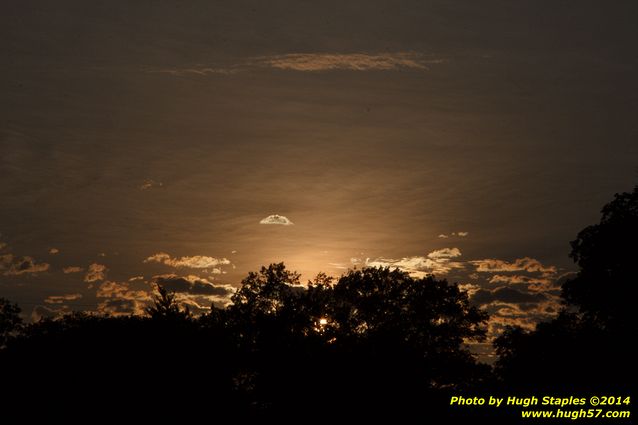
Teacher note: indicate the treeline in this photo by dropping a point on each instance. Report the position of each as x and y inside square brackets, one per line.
[374, 344]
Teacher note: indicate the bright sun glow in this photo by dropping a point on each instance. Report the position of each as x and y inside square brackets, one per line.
[323, 321]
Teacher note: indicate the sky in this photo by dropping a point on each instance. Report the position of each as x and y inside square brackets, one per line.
[188, 143]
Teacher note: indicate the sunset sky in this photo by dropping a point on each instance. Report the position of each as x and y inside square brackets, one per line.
[187, 143]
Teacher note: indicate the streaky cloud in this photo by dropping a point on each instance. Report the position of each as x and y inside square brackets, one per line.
[313, 62]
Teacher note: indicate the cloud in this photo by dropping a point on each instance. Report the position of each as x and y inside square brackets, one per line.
[194, 262]
[192, 285]
[470, 288]
[201, 71]
[459, 234]
[95, 272]
[134, 278]
[120, 307]
[112, 289]
[444, 253]
[150, 184]
[72, 269]
[437, 262]
[16, 266]
[527, 264]
[276, 219]
[40, 312]
[314, 62]
[505, 294]
[121, 299]
[60, 299]
[537, 284]
[54, 251]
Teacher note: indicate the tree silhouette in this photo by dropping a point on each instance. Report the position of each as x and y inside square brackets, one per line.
[374, 342]
[604, 289]
[586, 346]
[166, 307]
[10, 321]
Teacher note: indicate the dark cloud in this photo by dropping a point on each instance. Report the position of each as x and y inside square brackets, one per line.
[118, 306]
[15, 266]
[41, 312]
[507, 295]
[190, 285]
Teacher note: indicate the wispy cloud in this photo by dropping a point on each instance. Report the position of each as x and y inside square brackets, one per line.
[60, 299]
[16, 266]
[54, 251]
[194, 262]
[437, 262]
[95, 273]
[313, 62]
[346, 61]
[536, 284]
[457, 234]
[276, 219]
[527, 264]
[202, 71]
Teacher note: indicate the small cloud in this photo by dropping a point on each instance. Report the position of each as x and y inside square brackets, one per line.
[194, 262]
[60, 299]
[54, 251]
[3, 245]
[276, 219]
[72, 269]
[134, 278]
[445, 253]
[95, 273]
[102, 254]
[234, 251]
[150, 184]
[16, 266]
[458, 234]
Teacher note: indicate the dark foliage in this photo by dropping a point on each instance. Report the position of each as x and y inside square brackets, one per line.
[590, 346]
[376, 342]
